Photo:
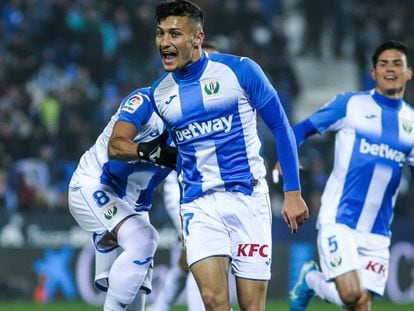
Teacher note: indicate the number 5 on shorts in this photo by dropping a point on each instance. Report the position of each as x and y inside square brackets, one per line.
[333, 244]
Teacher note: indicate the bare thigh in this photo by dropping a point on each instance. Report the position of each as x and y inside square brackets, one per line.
[211, 275]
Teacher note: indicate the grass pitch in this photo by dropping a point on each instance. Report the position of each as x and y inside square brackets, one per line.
[316, 305]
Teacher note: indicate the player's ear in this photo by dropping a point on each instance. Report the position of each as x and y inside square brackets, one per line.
[409, 73]
[373, 75]
[198, 39]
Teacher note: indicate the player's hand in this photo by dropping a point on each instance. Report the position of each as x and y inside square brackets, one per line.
[294, 210]
[157, 151]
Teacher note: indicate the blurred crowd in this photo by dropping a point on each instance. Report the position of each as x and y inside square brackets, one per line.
[66, 64]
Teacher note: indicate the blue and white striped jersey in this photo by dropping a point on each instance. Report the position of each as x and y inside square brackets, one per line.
[134, 181]
[210, 109]
[374, 138]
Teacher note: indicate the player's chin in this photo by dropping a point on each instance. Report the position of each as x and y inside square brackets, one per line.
[169, 67]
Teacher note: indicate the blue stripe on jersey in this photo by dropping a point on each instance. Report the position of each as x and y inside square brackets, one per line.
[115, 174]
[353, 197]
[145, 197]
[190, 94]
[192, 186]
[390, 133]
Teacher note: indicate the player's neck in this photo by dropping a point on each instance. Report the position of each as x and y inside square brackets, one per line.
[192, 71]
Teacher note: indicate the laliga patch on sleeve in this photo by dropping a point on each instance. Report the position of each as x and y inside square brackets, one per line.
[133, 103]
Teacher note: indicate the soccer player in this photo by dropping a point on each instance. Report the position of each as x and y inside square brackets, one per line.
[110, 194]
[374, 138]
[208, 102]
[176, 278]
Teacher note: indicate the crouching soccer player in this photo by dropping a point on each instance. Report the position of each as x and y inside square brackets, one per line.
[110, 194]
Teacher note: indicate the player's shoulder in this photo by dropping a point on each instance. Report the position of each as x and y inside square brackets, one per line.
[345, 97]
[135, 99]
[408, 107]
[233, 61]
[349, 94]
[157, 82]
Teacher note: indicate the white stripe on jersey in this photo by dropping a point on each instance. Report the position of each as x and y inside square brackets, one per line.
[374, 198]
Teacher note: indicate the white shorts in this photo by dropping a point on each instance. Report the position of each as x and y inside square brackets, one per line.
[342, 249]
[230, 224]
[96, 207]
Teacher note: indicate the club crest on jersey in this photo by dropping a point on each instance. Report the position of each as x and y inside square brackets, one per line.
[335, 261]
[133, 103]
[407, 126]
[110, 212]
[211, 87]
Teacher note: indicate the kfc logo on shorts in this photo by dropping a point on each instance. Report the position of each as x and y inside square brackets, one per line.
[249, 250]
[376, 267]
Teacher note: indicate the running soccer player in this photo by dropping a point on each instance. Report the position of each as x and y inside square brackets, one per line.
[176, 279]
[208, 103]
[110, 194]
[374, 138]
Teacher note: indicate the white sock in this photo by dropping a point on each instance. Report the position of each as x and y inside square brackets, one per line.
[174, 284]
[139, 241]
[323, 289]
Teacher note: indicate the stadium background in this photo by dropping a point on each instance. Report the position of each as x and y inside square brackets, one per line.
[66, 64]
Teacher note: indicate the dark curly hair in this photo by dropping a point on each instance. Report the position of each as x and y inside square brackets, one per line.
[179, 8]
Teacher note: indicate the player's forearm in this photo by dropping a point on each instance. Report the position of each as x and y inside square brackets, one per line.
[288, 158]
[275, 118]
[123, 149]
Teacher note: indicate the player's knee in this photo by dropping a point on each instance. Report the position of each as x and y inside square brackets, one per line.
[212, 300]
[351, 296]
[133, 233]
[150, 238]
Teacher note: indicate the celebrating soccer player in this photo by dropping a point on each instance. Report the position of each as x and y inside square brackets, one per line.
[208, 103]
[374, 138]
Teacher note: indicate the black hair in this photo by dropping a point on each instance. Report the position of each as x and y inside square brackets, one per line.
[389, 45]
[179, 8]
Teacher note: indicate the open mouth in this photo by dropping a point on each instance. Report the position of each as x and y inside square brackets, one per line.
[168, 57]
[390, 77]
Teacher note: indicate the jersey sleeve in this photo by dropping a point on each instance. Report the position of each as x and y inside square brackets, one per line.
[257, 86]
[330, 116]
[303, 130]
[136, 109]
[263, 97]
[285, 144]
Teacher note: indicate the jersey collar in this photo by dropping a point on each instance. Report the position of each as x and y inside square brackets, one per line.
[192, 71]
[385, 101]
